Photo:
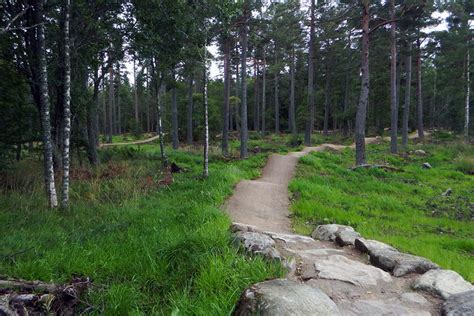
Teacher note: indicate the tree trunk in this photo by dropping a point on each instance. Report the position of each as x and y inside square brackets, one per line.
[237, 94]
[67, 107]
[419, 94]
[277, 101]
[310, 114]
[393, 83]
[406, 107]
[44, 104]
[361, 114]
[189, 112]
[118, 104]
[243, 59]
[468, 94]
[135, 92]
[159, 87]
[264, 92]
[92, 119]
[174, 114]
[326, 105]
[292, 110]
[148, 101]
[346, 122]
[206, 118]
[255, 95]
[433, 101]
[110, 125]
[226, 104]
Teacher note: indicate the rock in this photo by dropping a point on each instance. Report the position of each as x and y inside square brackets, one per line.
[420, 152]
[448, 192]
[400, 263]
[238, 227]
[380, 307]
[426, 165]
[257, 243]
[368, 245]
[337, 267]
[412, 297]
[443, 283]
[328, 232]
[459, 304]
[346, 237]
[284, 297]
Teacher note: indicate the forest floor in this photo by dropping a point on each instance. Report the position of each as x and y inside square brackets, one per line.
[155, 244]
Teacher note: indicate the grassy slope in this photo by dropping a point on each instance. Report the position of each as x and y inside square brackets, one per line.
[148, 249]
[395, 207]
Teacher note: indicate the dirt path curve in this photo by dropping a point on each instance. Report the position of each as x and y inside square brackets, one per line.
[138, 142]
[264, 202]
[260, 213]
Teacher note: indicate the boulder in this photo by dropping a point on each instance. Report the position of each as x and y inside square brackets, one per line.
[337, 267]
[420, 152]
[380, 307]
[257, 243]
[346, 237]
[328, 232]
[284, 297]
[443, 283]
[415, 298]
[400, 263]
[368, 245]
[459, 304]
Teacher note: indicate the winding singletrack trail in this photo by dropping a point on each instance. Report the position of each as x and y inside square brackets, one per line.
[260, 210]
[138, 142]
[264, 202]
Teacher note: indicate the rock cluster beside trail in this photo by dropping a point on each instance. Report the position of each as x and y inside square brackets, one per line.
[338, 272]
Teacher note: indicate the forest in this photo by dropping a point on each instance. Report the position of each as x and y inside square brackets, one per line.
[129, 128]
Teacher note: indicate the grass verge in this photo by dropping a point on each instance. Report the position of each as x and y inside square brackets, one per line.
[405, 209]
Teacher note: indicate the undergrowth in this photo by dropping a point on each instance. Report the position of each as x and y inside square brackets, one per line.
[149, 248]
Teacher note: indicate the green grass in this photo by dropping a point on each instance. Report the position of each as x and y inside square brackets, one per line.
[149, 249]
[405, 209]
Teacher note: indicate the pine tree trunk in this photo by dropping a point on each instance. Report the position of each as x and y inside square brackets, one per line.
[119, 103]
[326, 106]
[237, 94]
[243, 88]
[277, 101]
[189, 112]
[264, 92]
[419, 94]
[257, 97]
[346, 122]
[468, 95]
[110, 125]
[67, 107]
[174, 114]
[310, 114]
[406, 107]
[135, 92]
[44, 104]
[148, 101]
[393, 83]
[92, 122]
[292, 110]
[206, 117]
[226, 104]
[361, 114]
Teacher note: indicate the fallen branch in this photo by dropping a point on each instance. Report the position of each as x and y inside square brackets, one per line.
[385, 167]
[36, 286]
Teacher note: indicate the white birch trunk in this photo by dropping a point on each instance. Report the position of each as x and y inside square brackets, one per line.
[67, 108]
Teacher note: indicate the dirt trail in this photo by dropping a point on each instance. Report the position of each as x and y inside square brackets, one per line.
[264, 202]
[138, 142]
[260, 208]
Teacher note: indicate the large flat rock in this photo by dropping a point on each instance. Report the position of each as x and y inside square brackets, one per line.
[284, 297]
[371, 307]
[459, 304]
[443, 283]
[400, 263]
[337, 267]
